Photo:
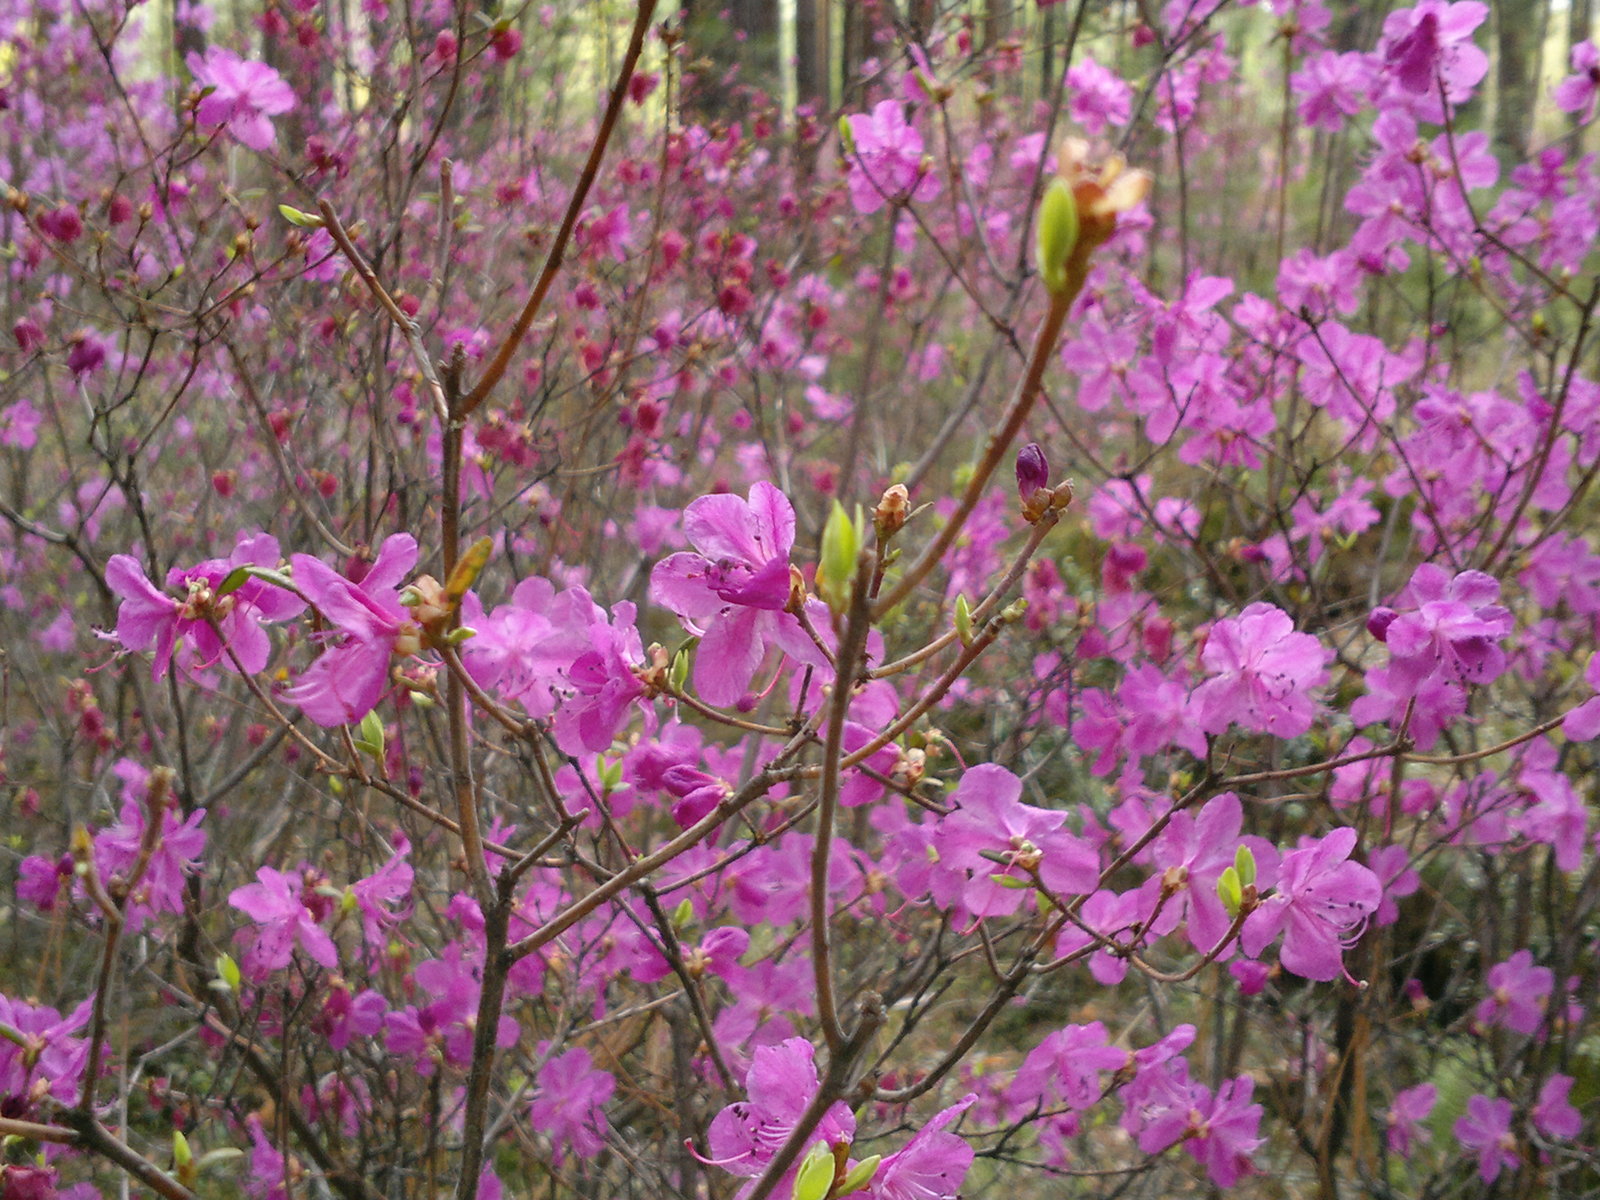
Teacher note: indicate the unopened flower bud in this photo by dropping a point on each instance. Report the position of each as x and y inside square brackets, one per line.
[1378, 622]
[889, 518]
[1033, 471]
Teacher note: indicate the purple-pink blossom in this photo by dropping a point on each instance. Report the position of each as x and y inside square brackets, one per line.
[733, 589]
[240, 94]
[887, 161]
[221, 630]
[570, 1105]
[276, 904]
[991, 847]
[1406, 1116]
[1320, 906]
[370, 627]
[931, 1165]
[1430, 47]
[1575, 94]
[782, 1079]
[1553, 1115]
[1452, 631]
[1263, 674]
[1518, 994]
[1486, 1131]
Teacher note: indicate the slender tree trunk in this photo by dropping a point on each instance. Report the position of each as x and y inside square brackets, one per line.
[1517, 45]
[813, 65]
[1580, 22]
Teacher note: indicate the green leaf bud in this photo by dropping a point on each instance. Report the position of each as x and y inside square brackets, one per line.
[1057, 234]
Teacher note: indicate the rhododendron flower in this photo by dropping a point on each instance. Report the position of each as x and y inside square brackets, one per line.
[1098, 97]
[1454, 631]
[1583, 723]
[1433, 42]
[1553, 1115]
[1486, 1129]
[241, 94]
[993, 842]
[1575, 94]
[1066, 1067]
[371, 625]
[442, 1029]
[381, 897]
[1320, 905]
[1410, 1108]
[1519, 992]
[887, 160]
[276, 904]
[49, 1062]
[1263, 673]
[265, 1180]
[221, 629]
[733, 589]
[930, 1166]
[1223, 1129]
[570, 1106]
[782, 1079]
[176, 856]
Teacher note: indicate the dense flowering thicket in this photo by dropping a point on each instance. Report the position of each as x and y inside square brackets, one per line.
[551, 650]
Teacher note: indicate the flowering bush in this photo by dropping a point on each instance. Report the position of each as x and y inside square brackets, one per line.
[524, 671]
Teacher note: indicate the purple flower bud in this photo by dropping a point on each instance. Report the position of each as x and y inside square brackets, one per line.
[1378, 622]
[1033, 471]
[62, 224]
[87, 353]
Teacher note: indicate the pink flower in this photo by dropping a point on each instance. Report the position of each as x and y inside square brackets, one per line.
[1223, 1130]
[389, 885]
[887, 163]
[993, 842]
[1453, 633]
[1263, 673]
[570, 1105]
[349, 678]
[930, 1166]
[442, 1029]
[1099, 97]
[1067, 1067]
[745, 1135]
[221, 629]
[1410, 1108]
[1575, 94]
[1430, 46]
[1486, 1128]
[1553, 1116]
[266, 1178]
[48, 1063]
[1320, 905]
[733, 590]
[175, 858]
[241, 95]
[1519, 993]
[276, 905]
[1332, 87]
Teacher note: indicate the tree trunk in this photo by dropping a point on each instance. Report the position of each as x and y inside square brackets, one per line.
[1517, 45]
[813, 63]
